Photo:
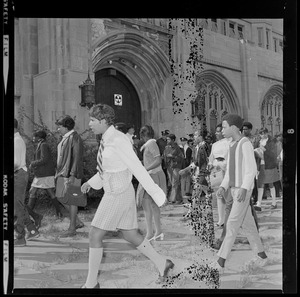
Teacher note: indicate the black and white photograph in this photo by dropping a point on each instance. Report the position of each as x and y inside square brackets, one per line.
[154, 151]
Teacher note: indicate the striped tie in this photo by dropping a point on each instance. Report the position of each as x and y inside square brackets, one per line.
[99, 158]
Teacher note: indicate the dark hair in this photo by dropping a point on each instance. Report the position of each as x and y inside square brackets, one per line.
[40, 134]
[121, 127]
[263, 130]
[147, 131]
[233, 119]
[190, 141]
[103, 111]
[219, 126]
[171, 136]
[66, 121]
[248, 125]
[16, 124]
[203, 133]
[129, 126]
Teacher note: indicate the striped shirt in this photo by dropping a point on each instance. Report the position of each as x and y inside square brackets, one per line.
[244, 166]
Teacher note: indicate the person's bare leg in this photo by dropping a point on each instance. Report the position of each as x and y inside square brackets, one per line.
[146, 203]
[156, 218]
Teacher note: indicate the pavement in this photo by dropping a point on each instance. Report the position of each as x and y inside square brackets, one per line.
[50, 262]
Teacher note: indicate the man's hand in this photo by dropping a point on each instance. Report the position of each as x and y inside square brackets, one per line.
[85, 187]
[241, 196]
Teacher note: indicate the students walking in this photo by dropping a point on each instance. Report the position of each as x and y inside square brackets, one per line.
[116, 162]
[21, 216]
[239, 178]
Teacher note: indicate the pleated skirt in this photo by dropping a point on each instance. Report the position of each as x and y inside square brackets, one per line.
[117, 209]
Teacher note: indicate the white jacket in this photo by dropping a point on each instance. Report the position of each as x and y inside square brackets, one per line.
[118, 155]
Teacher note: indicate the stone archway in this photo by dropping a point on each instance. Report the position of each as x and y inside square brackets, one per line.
[217, 96]
[139, 59]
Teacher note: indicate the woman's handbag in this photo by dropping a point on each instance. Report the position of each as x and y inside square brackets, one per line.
[74, 196]
[216, 177]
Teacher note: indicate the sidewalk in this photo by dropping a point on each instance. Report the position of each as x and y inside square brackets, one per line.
[49, 262]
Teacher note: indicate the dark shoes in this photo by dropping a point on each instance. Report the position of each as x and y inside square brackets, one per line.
[257, 208]
[20, 241]
[68, 233]
[38, 221]
[32, 234]
[273, 206]
[162, 278]
[79, 225]
[97, 286]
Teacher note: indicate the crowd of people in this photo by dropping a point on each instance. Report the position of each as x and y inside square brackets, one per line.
[137, 170]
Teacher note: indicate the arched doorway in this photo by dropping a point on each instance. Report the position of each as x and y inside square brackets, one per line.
[114, 89]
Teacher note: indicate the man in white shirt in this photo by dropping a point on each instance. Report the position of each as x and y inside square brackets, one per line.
[21, 216]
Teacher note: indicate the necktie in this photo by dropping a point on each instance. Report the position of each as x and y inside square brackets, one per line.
[99, 158]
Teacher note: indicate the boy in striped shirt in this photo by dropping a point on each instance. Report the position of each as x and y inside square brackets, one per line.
[239, 178]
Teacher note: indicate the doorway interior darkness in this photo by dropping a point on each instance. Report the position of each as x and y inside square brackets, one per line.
[112, 87]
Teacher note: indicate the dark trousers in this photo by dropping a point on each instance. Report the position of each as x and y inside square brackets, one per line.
[21, 216]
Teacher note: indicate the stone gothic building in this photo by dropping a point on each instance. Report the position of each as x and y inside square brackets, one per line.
[176, 74]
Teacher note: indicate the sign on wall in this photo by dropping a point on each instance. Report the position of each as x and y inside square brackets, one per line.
[118, 99]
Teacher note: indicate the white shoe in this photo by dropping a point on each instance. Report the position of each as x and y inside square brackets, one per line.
[258, 261]
[216, 265]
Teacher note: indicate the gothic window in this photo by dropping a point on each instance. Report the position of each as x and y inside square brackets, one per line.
[212, 101]
[214, 25]
[231, 29]
[268, 39]
[223, 27]
[275, 41]
[281, 45]
[271, 113]
[240, 32]
[213, 120]
[204, 23]
[216, 99]
[260, 37]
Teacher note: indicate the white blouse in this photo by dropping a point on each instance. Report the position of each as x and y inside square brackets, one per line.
[118, 155]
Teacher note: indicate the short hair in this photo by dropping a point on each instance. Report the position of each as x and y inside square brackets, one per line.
[121, 127]
[147, 131]
[40, 134]
[103, 111]
[16, 124]
[171, 136]
[263, 130]
[129, 126]
[219, 126]
[248, 125]
[66, 121]
[190, 141]
[203, 133]
[233, 119]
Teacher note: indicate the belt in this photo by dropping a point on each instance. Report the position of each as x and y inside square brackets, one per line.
[220, 159]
